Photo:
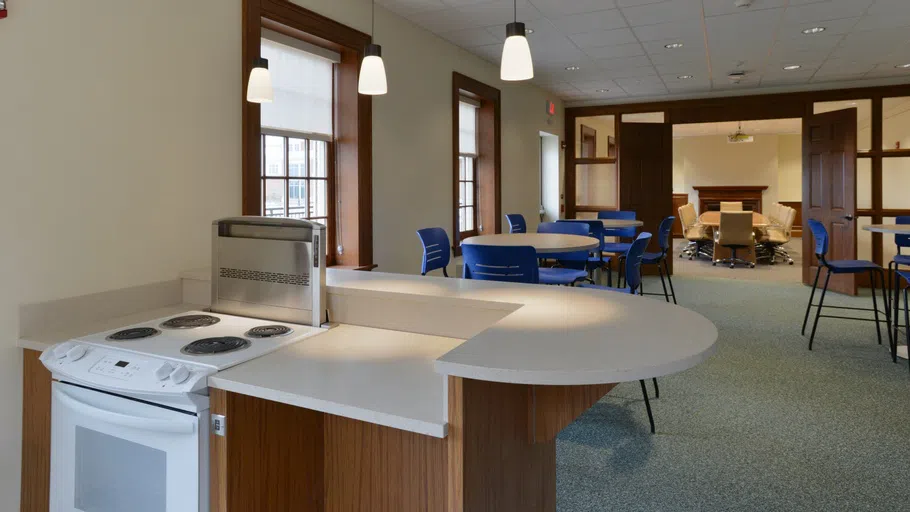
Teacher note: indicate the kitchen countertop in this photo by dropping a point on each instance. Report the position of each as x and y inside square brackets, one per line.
[373, 375]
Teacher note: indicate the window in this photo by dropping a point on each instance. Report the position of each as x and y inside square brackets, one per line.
[467, 165]
[296, 135]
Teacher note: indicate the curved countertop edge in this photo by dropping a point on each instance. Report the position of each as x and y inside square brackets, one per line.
[571, 378]
[439, 430]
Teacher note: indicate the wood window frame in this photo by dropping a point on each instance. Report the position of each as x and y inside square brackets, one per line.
[308, 179]
[350, 194]
[488, 164]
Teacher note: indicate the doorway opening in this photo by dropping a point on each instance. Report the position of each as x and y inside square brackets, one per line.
[551, 178]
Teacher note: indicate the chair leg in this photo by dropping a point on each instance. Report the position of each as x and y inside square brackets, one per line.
[670, 281]
[811, 297]
[644, 392]
[445, 272]
[891, 340]
[895, 301]
[878, 327]
[906, 322]
[610, 275]
[662, 283]
[818, 312]
[656, 389]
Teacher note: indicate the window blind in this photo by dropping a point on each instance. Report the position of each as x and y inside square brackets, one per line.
[302, 83]
[467, 128]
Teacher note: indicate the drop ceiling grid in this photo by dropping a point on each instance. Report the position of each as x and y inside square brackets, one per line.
[619, 45]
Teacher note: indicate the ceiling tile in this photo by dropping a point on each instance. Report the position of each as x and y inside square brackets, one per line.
[589, 22]
[471, 37]
[644, 80]
[406, 7]
[844, 67]
[832, 27]
[683, 30]
[554, 8]
[603, 38]
[615, 51]
[720, 7]
[624, 62]
[821, 11]
[670, 11]
[640, 72]
[498, 12]
[631, 3]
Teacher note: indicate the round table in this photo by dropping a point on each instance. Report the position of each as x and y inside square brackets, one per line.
[619, 223]
[543, 243]
[712, 219]
[894, 229]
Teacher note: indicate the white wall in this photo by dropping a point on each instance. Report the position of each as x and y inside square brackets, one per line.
[712, 161]
[120, 143]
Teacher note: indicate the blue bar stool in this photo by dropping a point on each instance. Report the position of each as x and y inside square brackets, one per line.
[572, 265]
[844, 267]
[436, 250]
[660, 258]
[618, 248]
[517, 223]
[517, 264]
[900, 241]
[596, 258]
[633, 278]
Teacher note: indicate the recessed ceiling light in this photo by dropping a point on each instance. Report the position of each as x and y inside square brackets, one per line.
[684, 77]
[673, 46]
[792, 67]
[572, 68]
[814, 30]
[903, 66]
[529, 31]
[603, 90]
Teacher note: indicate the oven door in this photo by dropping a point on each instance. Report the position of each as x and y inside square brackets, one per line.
[111, 454]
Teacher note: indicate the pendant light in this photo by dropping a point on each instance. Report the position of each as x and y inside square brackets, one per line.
[516, 53]
[372, 80]
[259, 88]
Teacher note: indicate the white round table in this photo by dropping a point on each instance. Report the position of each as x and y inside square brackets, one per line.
[620, 223]
[543, 243]
[894, 229]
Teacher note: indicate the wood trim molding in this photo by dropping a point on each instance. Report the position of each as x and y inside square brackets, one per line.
[36, 434]
[352, 150]
[489, 161]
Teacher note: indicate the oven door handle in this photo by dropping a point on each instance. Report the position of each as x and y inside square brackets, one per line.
[125, 420]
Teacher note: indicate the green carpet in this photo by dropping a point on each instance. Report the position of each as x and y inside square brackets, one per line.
[763, 425]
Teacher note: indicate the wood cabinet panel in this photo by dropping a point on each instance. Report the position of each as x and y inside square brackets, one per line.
[36, 434]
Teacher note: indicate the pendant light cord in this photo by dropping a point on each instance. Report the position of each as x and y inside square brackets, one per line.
[373, 18]
[515, 10]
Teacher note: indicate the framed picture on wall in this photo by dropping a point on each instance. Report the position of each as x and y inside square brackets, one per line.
[611, 147]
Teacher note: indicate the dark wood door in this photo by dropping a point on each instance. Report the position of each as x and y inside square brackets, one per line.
[829, 190]
[646, 176]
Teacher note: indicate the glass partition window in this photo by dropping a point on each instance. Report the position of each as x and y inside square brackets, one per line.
[863, 118]
[895, 183]
[896, 123]
[467, 164]
[864, 183]
[863, 239]
[595, 185]
[595, 137]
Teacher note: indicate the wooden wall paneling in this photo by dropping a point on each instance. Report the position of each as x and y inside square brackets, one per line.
[371, 468]
[218, 470]
[251, 152]
[678, 200]
[553, 408]
[36, 434]
[710, 197]
[798, 222]
[877, 239]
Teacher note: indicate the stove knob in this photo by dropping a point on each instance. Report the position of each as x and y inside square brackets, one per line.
[62, 349]
[164, 371]
[180, 374]
[75, 353]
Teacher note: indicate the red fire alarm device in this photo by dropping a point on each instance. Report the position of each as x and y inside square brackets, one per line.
[2, 9]
[551, 108]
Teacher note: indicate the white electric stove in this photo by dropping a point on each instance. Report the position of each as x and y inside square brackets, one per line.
[130, 420]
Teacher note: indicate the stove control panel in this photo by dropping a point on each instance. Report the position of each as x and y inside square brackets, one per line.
[121, 370]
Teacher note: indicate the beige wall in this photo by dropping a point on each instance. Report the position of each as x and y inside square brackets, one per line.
[120, 140]
[790, 167]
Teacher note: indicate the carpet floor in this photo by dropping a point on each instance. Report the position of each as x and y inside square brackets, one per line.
[764, 425]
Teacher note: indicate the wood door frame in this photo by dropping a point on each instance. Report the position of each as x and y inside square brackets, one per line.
[489, 159]
[351, 196]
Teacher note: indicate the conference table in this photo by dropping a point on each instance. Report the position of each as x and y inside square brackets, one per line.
[543, 243]
[892, 229]
[712, 220]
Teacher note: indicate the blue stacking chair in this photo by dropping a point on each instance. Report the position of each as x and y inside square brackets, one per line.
[516, 264]
[572, 265]
[633, 278]
[905, 275]
[894, 266]
[618, 248]
[517, 223]
[596, 259]
[660, 258]
[820, 234]
[436, 250]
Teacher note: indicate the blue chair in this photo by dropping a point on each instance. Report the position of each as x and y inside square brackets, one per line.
[633, 277]
[596, 258]
[436, 250]
[517, 223]
[516, 264]
[905, 275]
[572, 265]
[618, 248]
[660, 258]
[820, 234]
[900, 241]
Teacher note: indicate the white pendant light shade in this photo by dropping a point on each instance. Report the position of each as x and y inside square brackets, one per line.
[372, 79]
[259, 89]
[516, 55]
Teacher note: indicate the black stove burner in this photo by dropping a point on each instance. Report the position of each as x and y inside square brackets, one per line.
[190, 321]
[217, 345]
[135, 333]
[268, 331]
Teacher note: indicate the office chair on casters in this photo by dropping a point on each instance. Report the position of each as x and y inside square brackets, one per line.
[735, 233]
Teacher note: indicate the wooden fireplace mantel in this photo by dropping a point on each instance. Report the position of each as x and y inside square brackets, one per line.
[710, 197]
